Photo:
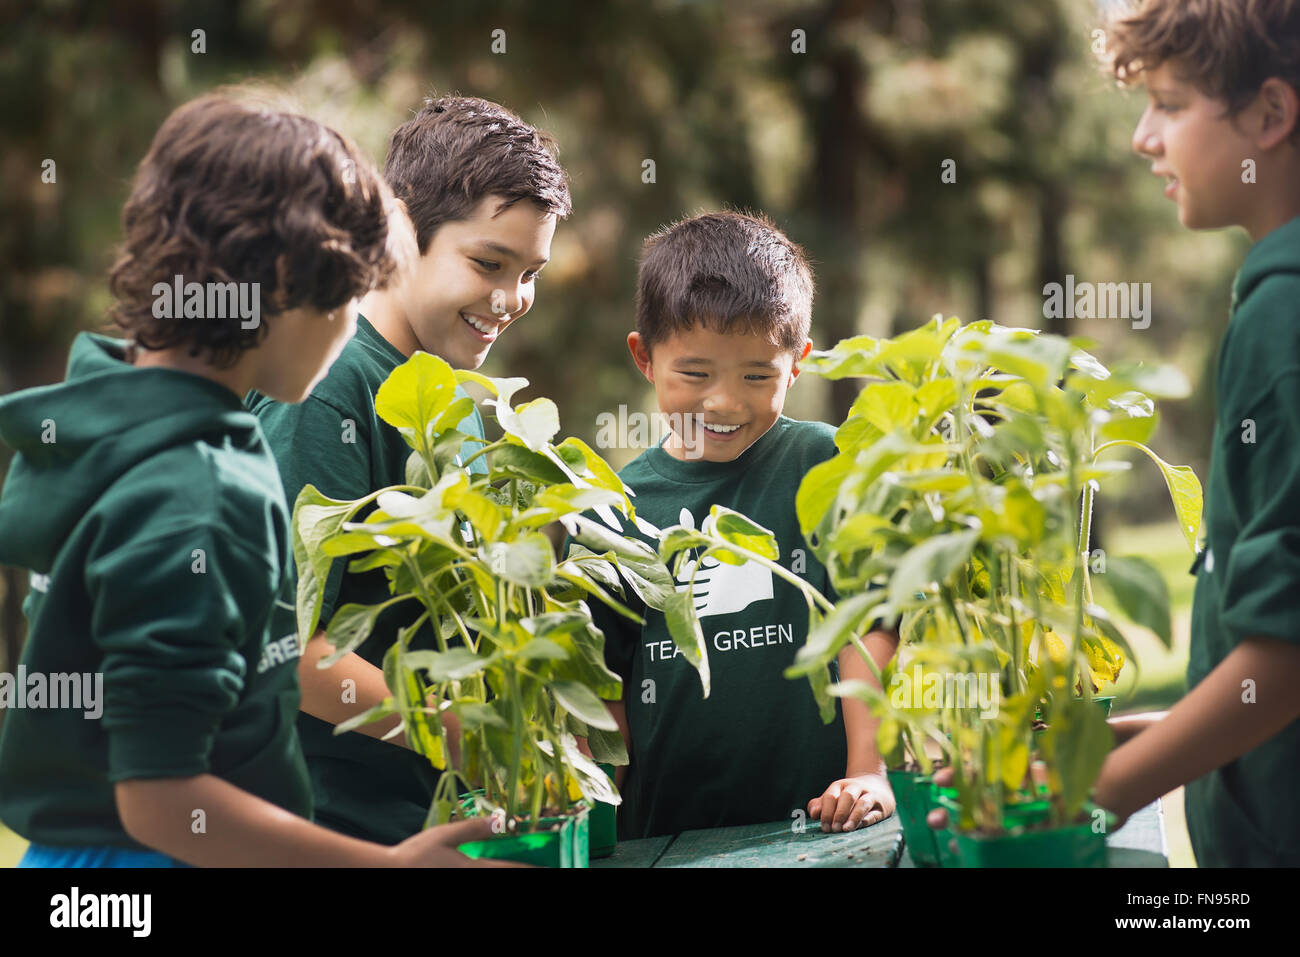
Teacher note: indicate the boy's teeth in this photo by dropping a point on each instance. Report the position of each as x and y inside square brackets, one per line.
[720, 428]
[480, 326]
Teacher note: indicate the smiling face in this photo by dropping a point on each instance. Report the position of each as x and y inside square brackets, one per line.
[477, 276]
[732, 384]
[1193, 144]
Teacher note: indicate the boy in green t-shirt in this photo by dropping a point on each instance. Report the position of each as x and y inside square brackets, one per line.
[724, 304]
[151, 722]
[1221, 78]
[484, 192]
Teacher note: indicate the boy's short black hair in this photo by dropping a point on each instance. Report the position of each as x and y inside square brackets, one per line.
[1225, 48]
[460, 149]
[728, 271]
[230, 192]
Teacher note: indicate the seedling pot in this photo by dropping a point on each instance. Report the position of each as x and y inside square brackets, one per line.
[1078, 845]
[558, 841]
[912, 793]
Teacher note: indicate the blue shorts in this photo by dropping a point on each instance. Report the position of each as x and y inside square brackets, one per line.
[40, 855]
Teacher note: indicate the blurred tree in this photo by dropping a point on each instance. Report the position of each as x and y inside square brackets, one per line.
[839, 118]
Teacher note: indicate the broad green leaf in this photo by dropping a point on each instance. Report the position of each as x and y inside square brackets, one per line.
[1184, 490]
[1040, 360]
[858, 532]
[888, 406]
[533, 423]
[1077, 742]
[607, 747]
[1141, 593]
[414, 395]
[515, 461]
[541, 649]
[601, 538]
[450, 665]
[829, 635]
[485, 515]
[576, 574]
[565, 498]
[648, 577]
[930, 563]
[818, 490]
[526, 561]
[743, 532]
[684, 626]
[598, 471]
[501, 389]
[384, 709]
[1123, 424]
[315, 519]
[579, 700]
[351, 625]
[475, 715]
[679, 538]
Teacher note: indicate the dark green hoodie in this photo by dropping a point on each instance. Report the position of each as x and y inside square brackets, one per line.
[1248, 574]
[150, 514]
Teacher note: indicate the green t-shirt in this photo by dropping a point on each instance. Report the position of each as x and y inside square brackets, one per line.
[756, 750]
[1248, 575]
[335, 441]
[147, 508]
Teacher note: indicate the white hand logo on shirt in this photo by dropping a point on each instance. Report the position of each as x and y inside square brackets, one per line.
[721, 589]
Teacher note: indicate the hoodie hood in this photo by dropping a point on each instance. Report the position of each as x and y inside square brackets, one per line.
[1278, 252]
[76, 438]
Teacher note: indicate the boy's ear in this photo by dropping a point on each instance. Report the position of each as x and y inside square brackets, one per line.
[1281, 111]
[794, 369]
[640, 355]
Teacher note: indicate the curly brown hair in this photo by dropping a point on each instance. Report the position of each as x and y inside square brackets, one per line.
[1225, 48]
[232, 192]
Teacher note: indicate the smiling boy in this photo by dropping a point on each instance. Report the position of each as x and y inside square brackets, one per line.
[147, 507]
[724, 305]
[1221, 126]
[484, 192]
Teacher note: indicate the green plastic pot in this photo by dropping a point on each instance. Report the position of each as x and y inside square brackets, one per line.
[551, 847]
[557, 842]
[1078, 845]
[912, 795]
[604, 823]
[1101, 702]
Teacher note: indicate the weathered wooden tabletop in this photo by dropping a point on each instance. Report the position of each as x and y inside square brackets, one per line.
[1140, 843]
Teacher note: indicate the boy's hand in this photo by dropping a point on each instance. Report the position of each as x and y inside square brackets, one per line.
[436, 847]
[852, 802]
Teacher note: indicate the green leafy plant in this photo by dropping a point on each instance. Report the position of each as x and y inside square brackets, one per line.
[515, 656]
[959, 504]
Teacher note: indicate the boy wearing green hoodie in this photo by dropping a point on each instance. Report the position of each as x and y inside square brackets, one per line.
[484, 192]
[1222, 80]
[147, 507]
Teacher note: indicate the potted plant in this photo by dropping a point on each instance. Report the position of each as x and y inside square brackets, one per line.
[960, 504]
[513, 654]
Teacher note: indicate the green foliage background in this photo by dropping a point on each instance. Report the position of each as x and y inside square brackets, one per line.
[842, 145]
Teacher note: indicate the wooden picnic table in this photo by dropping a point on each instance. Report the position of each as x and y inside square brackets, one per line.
[1139, 843]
